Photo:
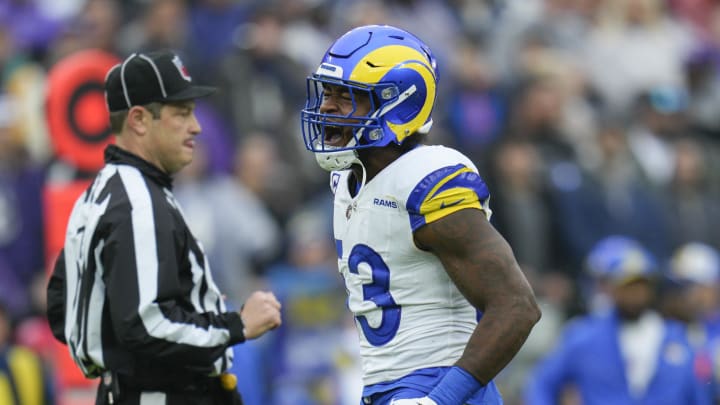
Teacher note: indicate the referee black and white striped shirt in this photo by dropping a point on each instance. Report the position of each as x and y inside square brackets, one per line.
[132, 291]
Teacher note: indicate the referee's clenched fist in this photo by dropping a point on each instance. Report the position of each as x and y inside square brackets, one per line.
[260, 313]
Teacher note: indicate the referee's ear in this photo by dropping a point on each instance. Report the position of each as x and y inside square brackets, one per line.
[138, 120]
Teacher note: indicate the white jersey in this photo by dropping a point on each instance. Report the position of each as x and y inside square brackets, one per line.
[408, 312]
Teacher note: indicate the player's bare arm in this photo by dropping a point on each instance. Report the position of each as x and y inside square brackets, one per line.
[482, 265]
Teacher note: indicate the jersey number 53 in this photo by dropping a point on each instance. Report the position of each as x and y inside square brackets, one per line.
[378, 291]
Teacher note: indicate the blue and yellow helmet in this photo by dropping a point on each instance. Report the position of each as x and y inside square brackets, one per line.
[620, 259]
[397, 72]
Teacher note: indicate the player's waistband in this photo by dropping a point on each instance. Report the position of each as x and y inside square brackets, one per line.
[424, 380]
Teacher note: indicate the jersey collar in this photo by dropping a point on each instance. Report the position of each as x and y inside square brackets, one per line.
[117, 155]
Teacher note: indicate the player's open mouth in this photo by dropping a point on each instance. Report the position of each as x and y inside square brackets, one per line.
[334, 136]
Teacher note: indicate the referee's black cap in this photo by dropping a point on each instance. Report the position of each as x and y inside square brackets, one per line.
[144, 78]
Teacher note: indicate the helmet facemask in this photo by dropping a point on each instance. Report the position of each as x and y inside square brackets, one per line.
[321, 130]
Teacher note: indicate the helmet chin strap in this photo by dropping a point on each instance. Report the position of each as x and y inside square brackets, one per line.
[364, 175]
[342, 160]
[339, 160]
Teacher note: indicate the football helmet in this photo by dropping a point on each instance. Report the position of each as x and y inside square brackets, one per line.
[620, 259]
[392, 68]
[697, 263]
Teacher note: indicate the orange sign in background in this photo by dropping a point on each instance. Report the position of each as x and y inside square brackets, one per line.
[76, 113]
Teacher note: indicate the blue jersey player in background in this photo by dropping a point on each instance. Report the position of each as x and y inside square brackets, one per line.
[625, 353]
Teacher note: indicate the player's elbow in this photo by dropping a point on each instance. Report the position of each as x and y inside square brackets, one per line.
[525, 311]
[534, 311]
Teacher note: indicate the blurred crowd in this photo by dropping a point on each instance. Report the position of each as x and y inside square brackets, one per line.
[587, 118]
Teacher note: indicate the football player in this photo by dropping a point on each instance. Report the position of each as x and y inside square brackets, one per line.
[440, 303]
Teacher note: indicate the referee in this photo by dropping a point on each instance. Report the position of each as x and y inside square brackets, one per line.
[132, 294]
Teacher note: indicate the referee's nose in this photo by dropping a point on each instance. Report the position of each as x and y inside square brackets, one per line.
[195, 127]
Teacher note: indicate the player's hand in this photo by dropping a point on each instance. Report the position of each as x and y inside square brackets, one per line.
[414, 401]
[260, 313]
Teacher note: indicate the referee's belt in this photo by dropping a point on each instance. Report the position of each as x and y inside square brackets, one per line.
[198, 384]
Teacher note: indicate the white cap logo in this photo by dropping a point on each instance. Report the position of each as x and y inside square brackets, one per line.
[181, 68]
[326, 69]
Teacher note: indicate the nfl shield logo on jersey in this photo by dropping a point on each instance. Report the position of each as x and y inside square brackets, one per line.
[181, 68]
